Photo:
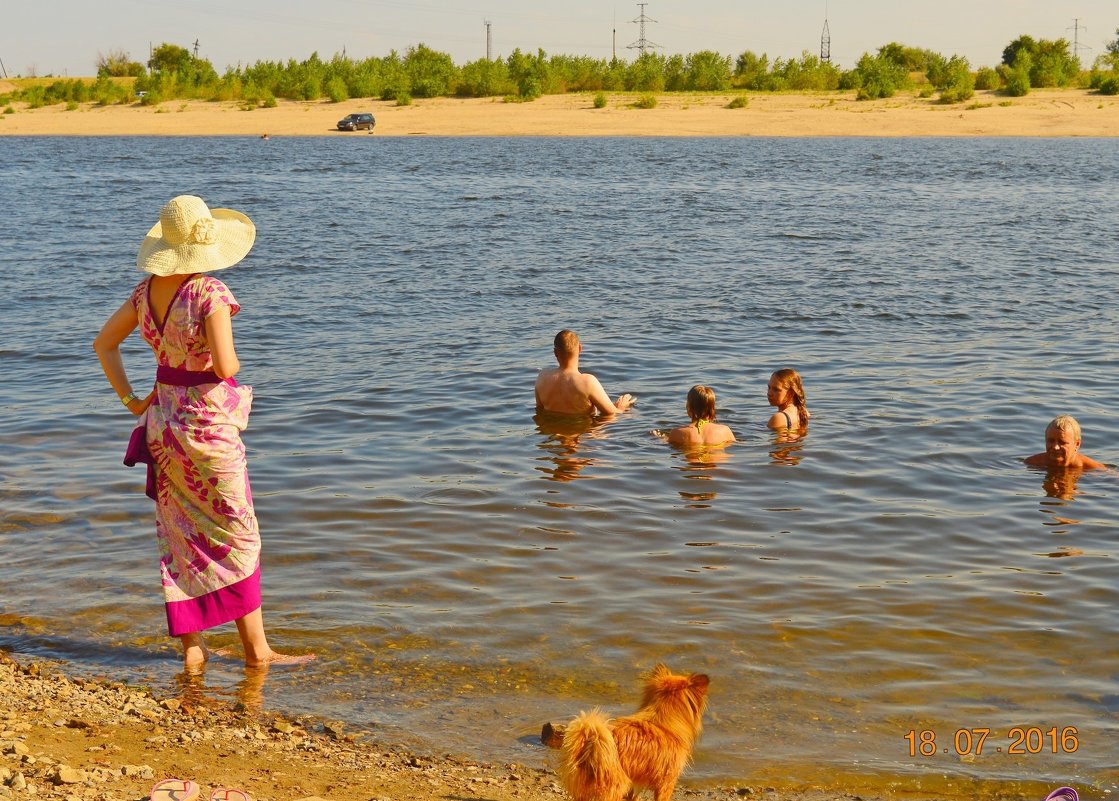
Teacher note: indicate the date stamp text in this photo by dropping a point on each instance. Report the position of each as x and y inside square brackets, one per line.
[971, 742]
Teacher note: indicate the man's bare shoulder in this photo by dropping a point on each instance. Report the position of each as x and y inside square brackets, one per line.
[1088, 463]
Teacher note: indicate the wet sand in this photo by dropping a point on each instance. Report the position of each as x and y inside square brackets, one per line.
[96, 740]
[1070, 112]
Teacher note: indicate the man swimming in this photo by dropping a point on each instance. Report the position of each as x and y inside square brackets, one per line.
[1062, 447]
[565, 390]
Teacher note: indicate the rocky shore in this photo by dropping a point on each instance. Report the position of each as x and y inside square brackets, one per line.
[74, 739]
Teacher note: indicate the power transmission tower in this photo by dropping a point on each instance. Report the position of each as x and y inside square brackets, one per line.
[489, 43]
[642, 43]
[1076, 28]
[825, 39]
[2, 68]
[195, 49]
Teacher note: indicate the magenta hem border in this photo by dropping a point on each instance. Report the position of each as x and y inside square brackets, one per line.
[214, 608]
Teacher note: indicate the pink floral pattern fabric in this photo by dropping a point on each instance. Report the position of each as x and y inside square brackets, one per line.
[207, 530]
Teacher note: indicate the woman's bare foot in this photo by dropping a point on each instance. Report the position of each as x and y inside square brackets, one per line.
[276, 658]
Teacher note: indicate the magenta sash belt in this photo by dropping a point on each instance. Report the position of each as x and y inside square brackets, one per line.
[178, 377]
[137, 451]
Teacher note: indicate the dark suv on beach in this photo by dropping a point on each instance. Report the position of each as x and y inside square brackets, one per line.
[355, 122]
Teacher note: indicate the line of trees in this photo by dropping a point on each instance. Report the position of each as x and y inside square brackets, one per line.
[173, 72]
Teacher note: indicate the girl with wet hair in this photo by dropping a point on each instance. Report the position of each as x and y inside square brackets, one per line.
[786, 392]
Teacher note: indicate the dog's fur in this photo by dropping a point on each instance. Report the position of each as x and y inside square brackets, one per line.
[606, 760]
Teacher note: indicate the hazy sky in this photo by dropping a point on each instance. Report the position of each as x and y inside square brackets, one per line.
[64, 37]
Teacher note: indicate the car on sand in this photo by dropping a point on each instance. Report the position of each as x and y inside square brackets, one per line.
[355, 122]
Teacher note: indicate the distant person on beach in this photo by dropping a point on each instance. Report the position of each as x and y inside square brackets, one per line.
[564, 390]
[703, 430]
[1062, 447]
[189, 433]
[786, 392]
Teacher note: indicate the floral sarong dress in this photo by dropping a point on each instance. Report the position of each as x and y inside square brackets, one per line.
[209, 542]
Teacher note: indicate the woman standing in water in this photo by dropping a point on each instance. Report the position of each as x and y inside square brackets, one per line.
[190, 431]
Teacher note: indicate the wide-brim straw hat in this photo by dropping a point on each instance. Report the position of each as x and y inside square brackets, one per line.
[191, 238]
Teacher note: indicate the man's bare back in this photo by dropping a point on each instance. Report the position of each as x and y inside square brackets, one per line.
[565, 390]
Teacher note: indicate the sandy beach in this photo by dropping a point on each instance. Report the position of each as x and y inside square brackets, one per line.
[1070, 112]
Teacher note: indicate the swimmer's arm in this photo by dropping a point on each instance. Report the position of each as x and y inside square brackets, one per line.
[1038, 460]
[601, 401]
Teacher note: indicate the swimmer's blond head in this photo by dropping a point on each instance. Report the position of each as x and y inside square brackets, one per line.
[701, 403]
[1065, 422]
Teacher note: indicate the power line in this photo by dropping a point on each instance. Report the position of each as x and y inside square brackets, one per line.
[642, 43]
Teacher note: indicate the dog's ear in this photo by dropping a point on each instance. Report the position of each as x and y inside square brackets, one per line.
[699, 681]
[659, 670]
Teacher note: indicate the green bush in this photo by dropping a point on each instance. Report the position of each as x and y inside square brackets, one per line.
[269, 101]
[707, 71]
[1016, 80]
[9, 110]
[741, 101]
[483, 78]
[987, 78]
[1108, 86]
[152, 98]
[879, 76]
[336, 90]
[958, 84]
[403, 98]
[646, 101]
[926, 90]
[600, 100]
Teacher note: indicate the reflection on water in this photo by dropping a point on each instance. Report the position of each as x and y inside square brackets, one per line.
[699, 464]
[787, 445]
[248, 693]
[1061, 483]
[563, 436]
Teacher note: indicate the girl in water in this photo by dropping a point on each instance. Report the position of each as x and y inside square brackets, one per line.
[702, 430]
[786, 392]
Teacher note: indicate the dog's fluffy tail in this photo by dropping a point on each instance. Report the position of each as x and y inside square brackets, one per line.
[591, 770]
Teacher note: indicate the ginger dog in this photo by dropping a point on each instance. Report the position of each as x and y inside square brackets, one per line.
[606, 760]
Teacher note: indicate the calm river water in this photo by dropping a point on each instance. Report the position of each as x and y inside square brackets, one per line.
[466, 572]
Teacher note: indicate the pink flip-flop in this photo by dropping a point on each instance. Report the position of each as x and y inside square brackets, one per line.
[174, 790]
[229, 794]
[1062, 794]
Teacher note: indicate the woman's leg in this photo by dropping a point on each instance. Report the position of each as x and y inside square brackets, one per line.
[194, 650]
[255, 642]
